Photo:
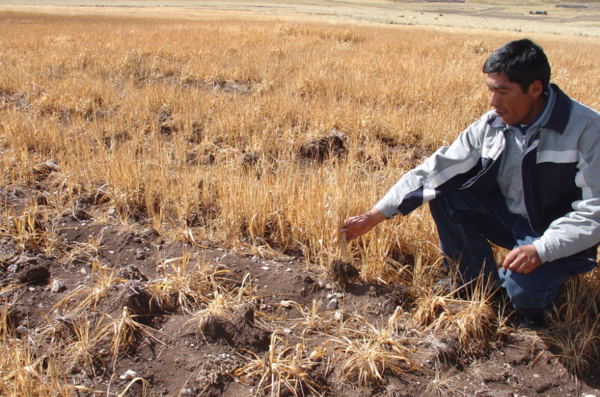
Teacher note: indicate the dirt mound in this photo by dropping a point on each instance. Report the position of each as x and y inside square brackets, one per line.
[324, 148]
[137, 298]
[239, 332]
[36, 274]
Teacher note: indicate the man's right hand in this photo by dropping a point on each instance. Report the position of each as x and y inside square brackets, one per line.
[358, 225]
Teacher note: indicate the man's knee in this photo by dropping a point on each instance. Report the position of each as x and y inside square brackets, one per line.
[527, 295]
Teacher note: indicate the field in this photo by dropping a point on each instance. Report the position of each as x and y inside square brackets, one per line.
[172, 187]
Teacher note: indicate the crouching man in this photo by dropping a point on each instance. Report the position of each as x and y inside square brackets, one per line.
[526, 176]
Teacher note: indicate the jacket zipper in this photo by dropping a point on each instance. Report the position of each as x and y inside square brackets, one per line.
[533, 143]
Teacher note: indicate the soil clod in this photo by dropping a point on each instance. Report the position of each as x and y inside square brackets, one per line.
[321, 149]
[342, 273]
[137, 298]
[38, 275]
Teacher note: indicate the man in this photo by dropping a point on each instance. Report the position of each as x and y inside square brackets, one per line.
[526, 176]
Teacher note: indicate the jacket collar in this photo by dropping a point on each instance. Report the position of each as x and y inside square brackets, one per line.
[559, 118]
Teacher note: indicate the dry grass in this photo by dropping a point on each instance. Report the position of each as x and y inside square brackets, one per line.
[284, 368]
[201, 129]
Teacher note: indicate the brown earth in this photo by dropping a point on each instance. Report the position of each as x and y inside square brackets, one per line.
[178, 360]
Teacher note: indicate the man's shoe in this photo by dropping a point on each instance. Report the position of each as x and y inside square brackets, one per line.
[533, 323]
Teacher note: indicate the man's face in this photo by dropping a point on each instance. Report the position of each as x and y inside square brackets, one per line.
[509, 101]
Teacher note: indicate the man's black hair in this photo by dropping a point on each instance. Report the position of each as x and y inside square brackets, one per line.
[522, 61]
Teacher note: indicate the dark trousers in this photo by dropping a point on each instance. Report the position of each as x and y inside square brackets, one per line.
[466, 222]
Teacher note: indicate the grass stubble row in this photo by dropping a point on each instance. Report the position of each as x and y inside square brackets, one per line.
[228, 132]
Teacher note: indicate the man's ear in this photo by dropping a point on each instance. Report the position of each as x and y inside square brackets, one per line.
[536, 89]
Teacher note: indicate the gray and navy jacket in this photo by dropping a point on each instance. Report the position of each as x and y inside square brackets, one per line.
[560, 176]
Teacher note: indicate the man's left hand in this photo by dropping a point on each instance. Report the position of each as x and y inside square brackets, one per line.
[523, 259]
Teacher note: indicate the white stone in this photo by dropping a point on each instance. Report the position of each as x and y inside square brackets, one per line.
[332, 305]
[128, 375]
[57, 286]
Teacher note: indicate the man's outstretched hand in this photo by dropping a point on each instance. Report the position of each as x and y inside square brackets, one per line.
[358, 225]
[523, 259]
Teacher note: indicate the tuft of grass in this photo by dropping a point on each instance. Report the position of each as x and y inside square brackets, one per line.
[368, 352]
[284, 368]
[574, 329]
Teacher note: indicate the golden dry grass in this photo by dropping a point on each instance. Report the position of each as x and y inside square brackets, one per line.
[199, 128]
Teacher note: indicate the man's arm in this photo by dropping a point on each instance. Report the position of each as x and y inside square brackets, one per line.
[358, 225]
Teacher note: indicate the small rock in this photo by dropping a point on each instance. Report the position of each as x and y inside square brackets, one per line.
[285, 303]
[57, 286]
[129, 375]
[338, 315]
[140, 254]
[147, 232]
[330, 296]
[21, 330]
[12, 269]
[332, 305]
[287, 331]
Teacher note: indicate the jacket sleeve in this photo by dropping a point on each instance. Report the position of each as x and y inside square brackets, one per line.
[579, 229]
[448, 168]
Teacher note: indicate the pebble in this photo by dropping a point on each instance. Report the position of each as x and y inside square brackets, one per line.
[57, 286]
[332, 305]
[128, 375]
[140, 254]
[338, 315]
[285, 303]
